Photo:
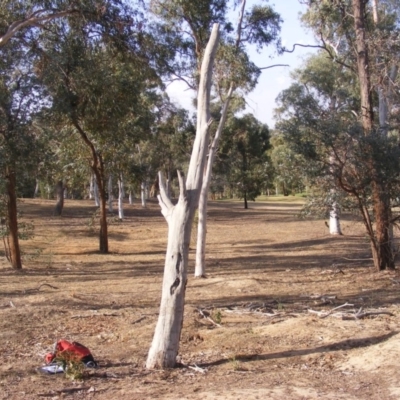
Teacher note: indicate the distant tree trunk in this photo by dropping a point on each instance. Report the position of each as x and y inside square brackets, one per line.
[169, 181]
[14, 252]
[334, 221]
[121, 195]
[36, 192]
[165, 344]
[96, 192]
[130, 197]
[246, 206]
[143, 193]
[91, 187]
[98, 170]
[110, 194]
[380, 243]
[60, 198]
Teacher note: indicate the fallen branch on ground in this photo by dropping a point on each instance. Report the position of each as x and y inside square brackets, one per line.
[139, 320]
[347, 315]
[95, 315]
[207, 317]
[39, 287]
[198, 369]
[361, 315]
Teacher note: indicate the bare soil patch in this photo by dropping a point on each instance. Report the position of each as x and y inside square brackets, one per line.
[256, 339]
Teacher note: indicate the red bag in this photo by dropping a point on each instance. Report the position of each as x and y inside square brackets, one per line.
[71, 351]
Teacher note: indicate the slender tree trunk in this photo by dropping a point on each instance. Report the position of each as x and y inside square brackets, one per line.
[130, 197]
[200, 267]
[165, 345]
[96, 192]
[121, 195]
[91, 187]
[143, 194]
[381, 246]
[36, 192]
[110, 194]
[60, 198]
[169, 180]
[334, 221]
[98, 170]
[13, 241]
[246, 206]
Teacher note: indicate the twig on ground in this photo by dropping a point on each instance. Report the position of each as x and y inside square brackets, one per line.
[39, 287]
[95, 315]
[198, 369]
[65, 390]
[138, 320]
[349, 316]
[361, 315]
[324, 314]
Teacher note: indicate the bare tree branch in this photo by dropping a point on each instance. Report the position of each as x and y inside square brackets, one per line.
[35, 18]
[273, 66]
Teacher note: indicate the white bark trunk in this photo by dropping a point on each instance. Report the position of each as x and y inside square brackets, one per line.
[96, 193]
[91, 186]
[110, 195]
[200, 266]
[143, 194]
[130, 197]
[169, 183]
[36, 193]
[165, 345]
[121, 195]
[334, 221]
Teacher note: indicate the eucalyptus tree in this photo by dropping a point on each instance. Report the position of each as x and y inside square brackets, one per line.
[100, 86]
[244, 154]
[21, 40]
[334, 151]
[165, 344]
[369, 49]
[19, 103]
[187, 24]
[288, 176]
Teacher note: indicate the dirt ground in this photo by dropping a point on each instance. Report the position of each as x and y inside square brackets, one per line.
[257, 328]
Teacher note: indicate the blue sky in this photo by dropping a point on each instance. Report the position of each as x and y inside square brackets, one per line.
[261, 102]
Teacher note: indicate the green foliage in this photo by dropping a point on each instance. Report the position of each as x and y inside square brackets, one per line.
[242, 156]
[73, 367]
[217, 316]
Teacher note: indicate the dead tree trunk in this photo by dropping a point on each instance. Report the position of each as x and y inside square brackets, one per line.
[165, 345]
[200, 267]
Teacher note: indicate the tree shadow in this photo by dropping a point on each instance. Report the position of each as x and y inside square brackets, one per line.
[337, 346]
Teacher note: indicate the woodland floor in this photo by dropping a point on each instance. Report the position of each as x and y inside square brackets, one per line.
[266, 270]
